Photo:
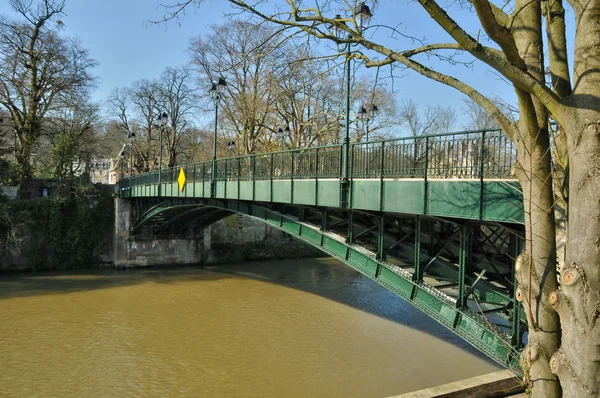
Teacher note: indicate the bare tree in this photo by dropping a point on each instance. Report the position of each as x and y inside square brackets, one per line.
[432, 120]
[250, 58]
[41, 72]
[177, 99]
[138, 107]
[477, 117]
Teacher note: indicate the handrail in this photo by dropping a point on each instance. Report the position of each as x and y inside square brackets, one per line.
[452, 155]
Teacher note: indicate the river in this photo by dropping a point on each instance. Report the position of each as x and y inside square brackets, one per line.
[296, 328]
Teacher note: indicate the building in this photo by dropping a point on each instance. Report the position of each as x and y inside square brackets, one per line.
[104, 171]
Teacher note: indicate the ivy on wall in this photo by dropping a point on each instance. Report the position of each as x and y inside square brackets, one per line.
[70, 229]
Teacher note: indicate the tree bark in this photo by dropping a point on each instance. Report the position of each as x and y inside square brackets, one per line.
[577, 362]
[536, 266]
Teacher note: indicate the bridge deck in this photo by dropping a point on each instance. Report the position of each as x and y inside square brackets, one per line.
[462, 175]
[490, 200]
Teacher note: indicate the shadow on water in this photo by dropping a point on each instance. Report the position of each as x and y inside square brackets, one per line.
[324, 277]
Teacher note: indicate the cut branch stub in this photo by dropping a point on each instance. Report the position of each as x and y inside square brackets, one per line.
[519, 295]
[570, 276]
[522, 261]
[553, 299]
[530, 353]
[554, 364]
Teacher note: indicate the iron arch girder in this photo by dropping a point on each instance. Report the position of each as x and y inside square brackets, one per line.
[466, 323]
[211, 218]
[160, 209]
[203, 210]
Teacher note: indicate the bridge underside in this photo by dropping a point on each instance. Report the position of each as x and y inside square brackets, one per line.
[458, 271]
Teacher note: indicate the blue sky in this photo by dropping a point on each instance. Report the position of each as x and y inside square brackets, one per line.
[129, 49]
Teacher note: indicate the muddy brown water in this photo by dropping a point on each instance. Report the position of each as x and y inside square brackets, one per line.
[300, 328]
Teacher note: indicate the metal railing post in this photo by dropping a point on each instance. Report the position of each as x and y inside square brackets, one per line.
[425, 171]
[381, 175]
[253, 159]
[292, 177]
[271, 171]
[481, 172]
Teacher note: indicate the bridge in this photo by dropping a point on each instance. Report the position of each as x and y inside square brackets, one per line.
[436, 219]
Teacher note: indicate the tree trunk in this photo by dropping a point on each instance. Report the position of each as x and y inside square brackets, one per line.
[536, 266]
[23, 157]
[577, 362]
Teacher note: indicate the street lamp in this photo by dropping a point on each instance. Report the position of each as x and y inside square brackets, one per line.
[162, 122]
[130, 137]
[216, 92]
[366, 117]
[363, 12]
[122, 160]
[281, 134]
[230, 147]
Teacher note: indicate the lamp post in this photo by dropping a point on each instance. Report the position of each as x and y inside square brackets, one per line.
[216, 92]
[366, 117]
[281, 134]
[122, 158]
[230, 147]
[162, 122]
[363, 12]
[130, 137]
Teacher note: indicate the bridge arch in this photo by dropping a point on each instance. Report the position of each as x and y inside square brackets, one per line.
[465, 322]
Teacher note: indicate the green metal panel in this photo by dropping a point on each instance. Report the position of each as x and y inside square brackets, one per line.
[262, 190]
[328, 193]
[426, 299]
[282, 191]
[401, 286]
[246, 190]
[365, 194]
[220, 191]
[170, 189]
[196, 189]
[403, 196]
[311, 235]
[305, 192]
[232, 189]
[447, 314]
[290, 226]
[453, 198]
[188, 190]
[503, 201]
[334, 247]
[362, 262]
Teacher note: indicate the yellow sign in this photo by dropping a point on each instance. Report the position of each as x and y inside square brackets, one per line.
[181, 179]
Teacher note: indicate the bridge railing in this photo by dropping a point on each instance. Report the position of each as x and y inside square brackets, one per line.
[463, 155]
[317, 162]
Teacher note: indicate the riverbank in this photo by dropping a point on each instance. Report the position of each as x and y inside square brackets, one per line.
[76, 230]
[499, 384]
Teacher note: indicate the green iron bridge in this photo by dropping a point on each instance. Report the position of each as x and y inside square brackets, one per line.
[436, 219]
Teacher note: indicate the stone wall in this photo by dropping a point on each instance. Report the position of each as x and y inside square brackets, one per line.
[234, 239]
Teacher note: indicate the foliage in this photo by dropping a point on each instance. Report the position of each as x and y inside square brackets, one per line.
[69, 229]
[41, 73]
[9, 172]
